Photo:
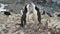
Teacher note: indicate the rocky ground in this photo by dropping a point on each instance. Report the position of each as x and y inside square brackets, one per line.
[50, 25]
[8, 25]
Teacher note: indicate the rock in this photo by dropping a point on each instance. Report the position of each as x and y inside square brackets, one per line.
[53, 22]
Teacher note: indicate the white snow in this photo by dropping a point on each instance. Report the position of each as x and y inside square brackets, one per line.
[2, 7]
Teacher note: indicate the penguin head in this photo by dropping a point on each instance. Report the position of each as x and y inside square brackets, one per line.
[32, 5]
[29, 7]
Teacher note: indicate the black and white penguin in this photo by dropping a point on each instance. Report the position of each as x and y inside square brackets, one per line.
[36, 13]
[23, 18]
[46, 13]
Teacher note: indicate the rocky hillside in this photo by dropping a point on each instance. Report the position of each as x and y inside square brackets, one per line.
[50, 25]
[8, 25]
